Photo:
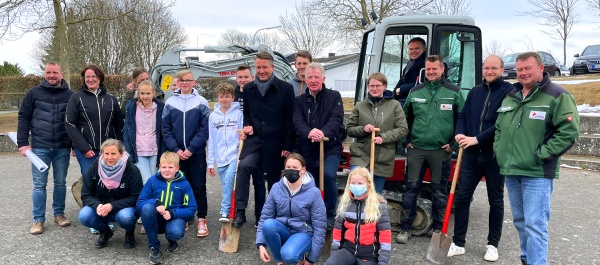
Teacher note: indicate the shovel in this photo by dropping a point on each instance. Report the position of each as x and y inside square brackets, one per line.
[230, 236]
[440, 242]
[328, 238]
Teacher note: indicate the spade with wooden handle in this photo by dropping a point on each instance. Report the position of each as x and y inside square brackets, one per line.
[440, 241]
[230, 236]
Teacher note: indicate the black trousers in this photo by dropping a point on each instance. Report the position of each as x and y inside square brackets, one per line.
[475, 165]
[194, 170]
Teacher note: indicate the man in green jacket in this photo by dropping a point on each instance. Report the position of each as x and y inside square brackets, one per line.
[432, 110]
[537, 123]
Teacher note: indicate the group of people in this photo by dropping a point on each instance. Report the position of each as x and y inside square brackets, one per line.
[147, 159]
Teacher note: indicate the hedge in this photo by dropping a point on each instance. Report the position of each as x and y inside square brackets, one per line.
[13, 88]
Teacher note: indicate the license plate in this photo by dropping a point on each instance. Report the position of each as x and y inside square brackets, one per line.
[594, 66]
[504, 74]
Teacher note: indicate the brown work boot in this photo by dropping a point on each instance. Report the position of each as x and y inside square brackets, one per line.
[62, 221]
[37, 228]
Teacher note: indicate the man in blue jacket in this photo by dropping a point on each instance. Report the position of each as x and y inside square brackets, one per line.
[43, 114]
[185, 132]
[318, 113]
[475, 132]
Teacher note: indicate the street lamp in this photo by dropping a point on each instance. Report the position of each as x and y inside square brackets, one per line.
[256, 32]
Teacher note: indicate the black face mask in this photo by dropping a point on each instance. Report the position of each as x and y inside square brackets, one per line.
[291, 175]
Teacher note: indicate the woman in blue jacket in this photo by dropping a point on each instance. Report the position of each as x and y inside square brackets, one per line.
[293, 221]
[142, 135]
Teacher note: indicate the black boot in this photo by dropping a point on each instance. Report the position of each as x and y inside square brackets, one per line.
[240, 218]
[103, 238]
[129, 240]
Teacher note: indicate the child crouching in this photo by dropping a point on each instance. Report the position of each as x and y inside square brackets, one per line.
[361, 210]
[165, 205]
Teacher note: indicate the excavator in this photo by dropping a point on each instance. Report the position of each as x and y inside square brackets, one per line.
[173, 60]
[385, 49]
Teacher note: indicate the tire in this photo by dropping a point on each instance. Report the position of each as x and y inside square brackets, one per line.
[423, 221]
[557, 73]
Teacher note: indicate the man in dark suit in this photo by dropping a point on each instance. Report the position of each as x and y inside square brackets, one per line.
[268, 108]
[411, 73]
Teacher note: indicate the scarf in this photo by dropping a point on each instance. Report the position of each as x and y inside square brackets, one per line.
[375, 100]
[263, 86]
[111, 175]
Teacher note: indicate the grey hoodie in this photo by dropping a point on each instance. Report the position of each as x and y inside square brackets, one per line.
[299, 86]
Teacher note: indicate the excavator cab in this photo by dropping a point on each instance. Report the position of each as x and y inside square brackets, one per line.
[385, 48]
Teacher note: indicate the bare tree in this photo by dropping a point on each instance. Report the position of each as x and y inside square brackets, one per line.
[18, 17]
[234, 37]
[306, 30]
[558, 15]
[595, 4]
[272, 39]
[347, 14]
[494, 47]
[450, 7]
[119, 45]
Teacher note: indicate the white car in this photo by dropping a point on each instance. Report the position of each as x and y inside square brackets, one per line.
[564, 70]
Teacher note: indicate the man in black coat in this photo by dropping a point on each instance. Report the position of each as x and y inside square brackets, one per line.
[318, 113]
[268, 107]
[43, 114]
[411, 73]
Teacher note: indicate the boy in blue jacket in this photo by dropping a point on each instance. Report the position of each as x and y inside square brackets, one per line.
[223, 142]
[166, 204]
[185, 132]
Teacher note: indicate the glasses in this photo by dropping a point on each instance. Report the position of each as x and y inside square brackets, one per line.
[186, 81]
[90, 77]
[375, 86]
[485, 69]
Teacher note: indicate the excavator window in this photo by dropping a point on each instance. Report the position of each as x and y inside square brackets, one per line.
[394, 57]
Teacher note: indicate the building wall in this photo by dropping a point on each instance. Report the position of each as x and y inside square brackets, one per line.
[342, 79]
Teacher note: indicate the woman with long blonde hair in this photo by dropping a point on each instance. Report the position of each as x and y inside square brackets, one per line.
[361, 210]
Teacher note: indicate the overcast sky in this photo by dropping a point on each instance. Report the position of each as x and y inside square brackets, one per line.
[205, 20]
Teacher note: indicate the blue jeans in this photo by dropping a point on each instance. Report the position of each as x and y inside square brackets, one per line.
[226, 174]
[476, 164]
[284, 245]
[59, 158]
[331, 164]
[84, 162]
[147, 167]
[154, 224]
[530, 205]
[126, 218]
[379, 181]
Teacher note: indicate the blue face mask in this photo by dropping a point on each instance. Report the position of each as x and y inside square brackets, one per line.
[358, 190]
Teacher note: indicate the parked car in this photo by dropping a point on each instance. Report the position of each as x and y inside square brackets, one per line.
[588, 61]
[550, 65]
[564, 71]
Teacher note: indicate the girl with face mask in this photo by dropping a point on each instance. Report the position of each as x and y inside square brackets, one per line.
[293, 221]
[361, 210]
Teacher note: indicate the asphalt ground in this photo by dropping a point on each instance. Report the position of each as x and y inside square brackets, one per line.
[574, 232]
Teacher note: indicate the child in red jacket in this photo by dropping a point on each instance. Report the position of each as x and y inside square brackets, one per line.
[361, 209]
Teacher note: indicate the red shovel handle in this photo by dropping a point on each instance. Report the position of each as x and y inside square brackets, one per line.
[452, 188]
[232, 209]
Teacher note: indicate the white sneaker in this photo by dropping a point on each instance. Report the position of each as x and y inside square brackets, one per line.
[456, 250]
[491, 254]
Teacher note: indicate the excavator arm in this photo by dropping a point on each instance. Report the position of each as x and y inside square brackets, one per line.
[171, 62]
